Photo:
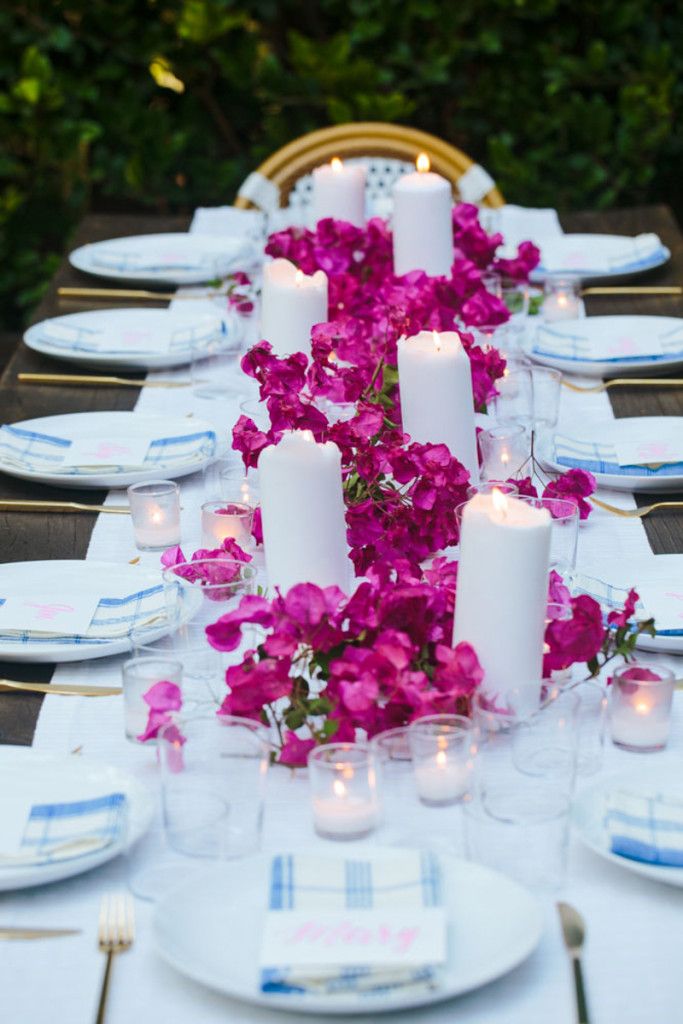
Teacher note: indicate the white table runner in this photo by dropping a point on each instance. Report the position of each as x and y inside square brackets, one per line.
[634, 926]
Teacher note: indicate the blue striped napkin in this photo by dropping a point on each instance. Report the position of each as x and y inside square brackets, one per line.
[406, 879]
[78, 338]
[114, 617]
[576, 347]
[611, 597]
[645, 828]
[638, 253]
[56, 832]
[601, 457]
[29, 450]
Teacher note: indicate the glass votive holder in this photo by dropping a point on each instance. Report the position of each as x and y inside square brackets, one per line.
[155, 514]
[488, 486]
[227, 462]
[443, 749]
[220, 520]
[564, 537]
[505, 452]
[562, 299]
[514, 402]
[344, 790]
[547, 385]
[640, 707]
[139, 675]
[236, 485]
[592, 721]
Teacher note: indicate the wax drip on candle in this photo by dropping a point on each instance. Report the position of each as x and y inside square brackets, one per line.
[422, 163]
[336, 164]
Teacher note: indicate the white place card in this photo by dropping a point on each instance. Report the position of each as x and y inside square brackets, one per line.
[666, 447]
[352, 938]
[109, 451]
[48, 612]
[663, 602]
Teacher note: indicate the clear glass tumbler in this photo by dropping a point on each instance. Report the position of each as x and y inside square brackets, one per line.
[139, 675]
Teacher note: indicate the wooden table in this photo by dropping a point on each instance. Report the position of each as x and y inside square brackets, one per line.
[26, 536]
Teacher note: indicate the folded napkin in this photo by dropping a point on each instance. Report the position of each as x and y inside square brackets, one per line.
[601, 457]
[112, 342]
[29, 450]
[574, 254]
[660, 598]
[520, 224]
[645, 828]
[618, 347]
[55, 832]
[178, 257]
[114, 618]
[408, 879]
[229, 220]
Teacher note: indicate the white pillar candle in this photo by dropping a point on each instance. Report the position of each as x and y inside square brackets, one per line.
[435, 383]
[421, 222]
[302, 509]
[502, 591]
[291, 303]
[339, 192]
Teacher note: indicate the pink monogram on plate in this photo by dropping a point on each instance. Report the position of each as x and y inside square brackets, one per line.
[133, 336]
[624, 346]
[654, 451]
[676, 597]
[107, 449]
[49, 611]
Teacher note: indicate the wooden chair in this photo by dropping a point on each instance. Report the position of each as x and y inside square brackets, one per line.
[387, 150]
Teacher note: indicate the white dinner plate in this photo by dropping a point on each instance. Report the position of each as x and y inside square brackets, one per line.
[133, 339]
[591, 446]
[45, 778]
[599, 256]
[32, 448]
[210, 929]
[166, 259]
[665, 641]
[609, 346]
[588, 816]
[117, 583]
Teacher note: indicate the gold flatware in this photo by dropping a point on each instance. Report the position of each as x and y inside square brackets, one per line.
[90, 381]
[61, 689]
[116, 933]
[31, 505]
[139, 294]
[636, 513]
[36, 933]
[574, 933]
[626, 382]
[642, 289]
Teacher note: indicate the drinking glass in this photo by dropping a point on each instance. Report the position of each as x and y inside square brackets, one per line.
[236, 484]
[395, 778]
[493, 336]
[138, 676]
[214, 366]
[592, 723]
[514, 402]
[487, 486]
[505, 451]
[257, 411]
[227, 462]
[547, 385]
[564, 537]
[516, 819]
[214, 771]
[197, 594]
[515, 295]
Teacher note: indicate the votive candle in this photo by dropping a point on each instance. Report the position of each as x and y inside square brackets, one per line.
[344, 792]
[221, 520]
[640, 707]
[155, 514]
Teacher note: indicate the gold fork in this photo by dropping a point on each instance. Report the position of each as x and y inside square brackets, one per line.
[91, 381]
[647, 382]
[116, 933]
[637, 513]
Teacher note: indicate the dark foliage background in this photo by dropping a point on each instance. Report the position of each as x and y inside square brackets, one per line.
[166, 104]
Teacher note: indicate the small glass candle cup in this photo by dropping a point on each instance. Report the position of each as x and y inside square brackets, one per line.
[564, 538]
[488, 486]
[505, 452]
[222, 519]
[155, 514]
[344, 791]
[562, 300]
[640, 707]
[138, 675]
[442, 747]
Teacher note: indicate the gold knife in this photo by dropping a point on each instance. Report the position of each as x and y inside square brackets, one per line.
[91, 381]
[134, 293]
[37, 933]
[61, 689]
[31, 505]
[642, 289]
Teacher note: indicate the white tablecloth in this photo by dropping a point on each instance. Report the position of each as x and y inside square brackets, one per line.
[635, 927]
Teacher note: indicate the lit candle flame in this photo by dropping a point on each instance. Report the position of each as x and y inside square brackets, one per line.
[307, 435]
[422, 163]
[642, 707]
[500, 502]
[299, 277]
[562, 300]
[339, 788]
[441, 759]
[437, 340]
[156, 515]
[504, 458]
[336, 164]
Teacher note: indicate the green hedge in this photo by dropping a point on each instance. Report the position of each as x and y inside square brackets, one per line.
[566, 102]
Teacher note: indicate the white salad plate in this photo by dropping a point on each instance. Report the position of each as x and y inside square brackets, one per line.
[130, 597]
[591, 446]
[132, 339]
[32, 449]
[166, 259]
[588, 815]
[599, 256]
[609, 346]
[210, 930]
[46, 779]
